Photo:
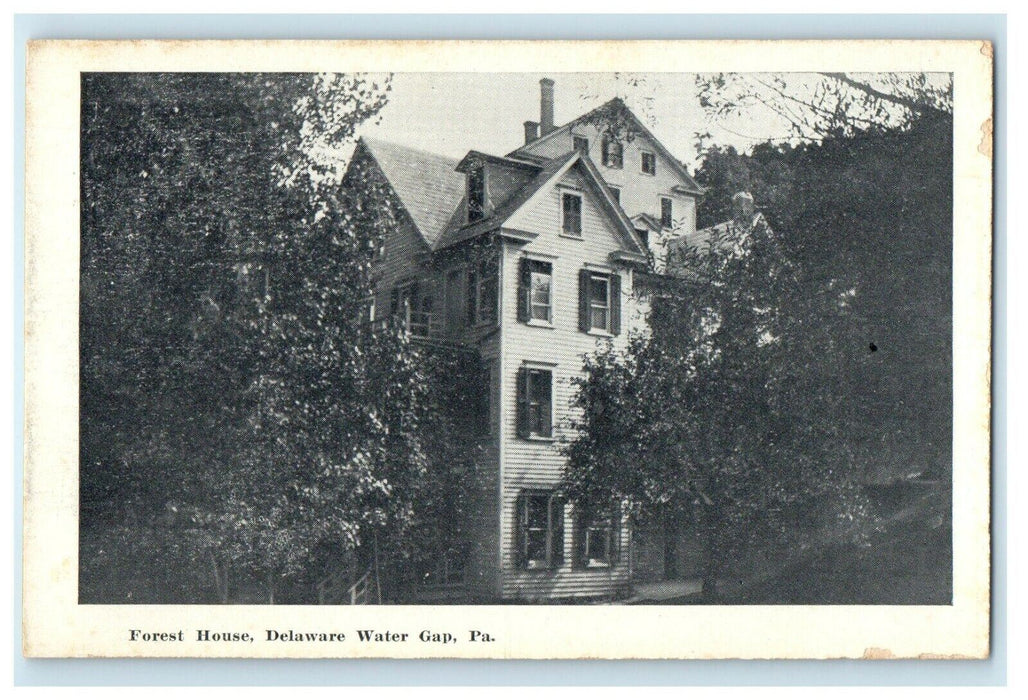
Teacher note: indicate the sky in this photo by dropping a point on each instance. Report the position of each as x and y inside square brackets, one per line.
[452, 113]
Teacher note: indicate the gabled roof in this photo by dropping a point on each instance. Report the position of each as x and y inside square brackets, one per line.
[729, 233]
[690, 185]
[699, 238]
[427, 184]
[647, 221]
[459, 231]
[473, 156]
[551, 171]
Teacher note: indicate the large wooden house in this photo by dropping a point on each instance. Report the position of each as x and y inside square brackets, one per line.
[532, 260]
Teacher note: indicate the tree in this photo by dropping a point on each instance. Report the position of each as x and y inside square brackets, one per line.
[227, 377]
[717, 425]
[793, 362]
[812, 106]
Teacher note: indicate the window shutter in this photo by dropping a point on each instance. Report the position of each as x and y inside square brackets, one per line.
[524, 291]
[556, 531]
[546, 402]
[394, 301]
[522, 417]
[583, 300]
[520, 524]
[615, 304]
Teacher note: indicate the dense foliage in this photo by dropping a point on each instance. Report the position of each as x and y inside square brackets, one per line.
[797, 360]
[239, 419]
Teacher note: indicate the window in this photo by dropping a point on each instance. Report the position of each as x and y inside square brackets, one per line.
[571, 219]
[535, 298]
[615, 191]
[540, 530]
[581, 143]
[597, 536]
[535, 402]
[649, 163]
[413, 304]
[482, 294]
[613, 153]
[667, 219]
[599, 302]
[476, 194]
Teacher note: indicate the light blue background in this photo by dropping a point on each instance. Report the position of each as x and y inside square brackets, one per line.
[385, 672]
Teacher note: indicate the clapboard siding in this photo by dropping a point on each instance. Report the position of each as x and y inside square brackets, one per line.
[640, 193]
[404, 252]
[534, 464]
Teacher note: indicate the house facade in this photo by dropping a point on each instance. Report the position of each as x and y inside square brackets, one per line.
[532, 259]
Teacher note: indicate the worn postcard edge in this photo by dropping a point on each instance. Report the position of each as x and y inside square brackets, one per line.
[55, 625]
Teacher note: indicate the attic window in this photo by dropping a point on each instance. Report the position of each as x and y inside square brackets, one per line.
[476, 194]
[571, 205]
[581, 143]
[649, 163]
[613, 153]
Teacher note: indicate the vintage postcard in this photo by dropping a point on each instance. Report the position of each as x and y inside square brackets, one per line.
[619, 349]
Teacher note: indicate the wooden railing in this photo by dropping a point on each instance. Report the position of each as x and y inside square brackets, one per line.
[367, 590]
[360, 593]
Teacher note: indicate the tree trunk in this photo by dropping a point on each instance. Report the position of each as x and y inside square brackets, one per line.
[270, 579]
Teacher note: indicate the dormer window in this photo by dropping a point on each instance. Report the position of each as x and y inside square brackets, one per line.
[581, 144]
[476, 194]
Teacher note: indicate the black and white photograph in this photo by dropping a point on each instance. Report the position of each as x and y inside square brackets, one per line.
[523, 338]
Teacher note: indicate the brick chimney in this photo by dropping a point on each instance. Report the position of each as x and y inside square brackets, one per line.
[531, 131]
[545, 106]
[743, 207]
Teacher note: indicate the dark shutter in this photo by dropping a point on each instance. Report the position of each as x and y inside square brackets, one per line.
[583, 301]
[556, 531]
[394, 301]
[615, 304]
[545, 399]
[525, 291]
[520, 525]
[522, 417]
